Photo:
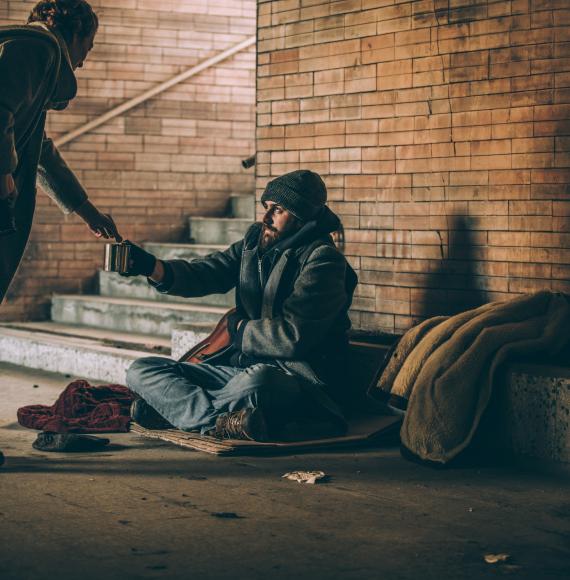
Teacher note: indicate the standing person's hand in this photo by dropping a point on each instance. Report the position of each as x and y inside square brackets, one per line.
[100, 224]
[8, 196]
[7, 185]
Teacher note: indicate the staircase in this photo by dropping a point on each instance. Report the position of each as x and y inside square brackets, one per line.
[98, 336]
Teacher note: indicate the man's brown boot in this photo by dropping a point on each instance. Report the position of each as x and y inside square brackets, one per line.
[245, 424]
[145, 416]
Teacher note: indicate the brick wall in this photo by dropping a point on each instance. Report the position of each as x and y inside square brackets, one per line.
[442, 129]
[176, 155]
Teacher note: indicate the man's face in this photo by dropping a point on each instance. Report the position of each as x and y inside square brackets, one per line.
[79, 49]
[277, 224]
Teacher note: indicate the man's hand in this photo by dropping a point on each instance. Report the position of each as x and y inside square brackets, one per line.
[235, 321]
[141, 262]
[100, 224]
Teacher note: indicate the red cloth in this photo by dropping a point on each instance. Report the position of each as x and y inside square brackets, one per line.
[82, 408]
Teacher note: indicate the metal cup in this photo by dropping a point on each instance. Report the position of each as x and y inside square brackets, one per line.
[117, 257]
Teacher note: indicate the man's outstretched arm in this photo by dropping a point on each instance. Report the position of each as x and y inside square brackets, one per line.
[214, 274]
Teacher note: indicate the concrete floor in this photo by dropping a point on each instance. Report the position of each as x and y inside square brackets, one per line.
[143, 509]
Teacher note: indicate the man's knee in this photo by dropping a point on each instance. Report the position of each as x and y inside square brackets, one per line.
[144, 368]
[271, 381]
[261, 375]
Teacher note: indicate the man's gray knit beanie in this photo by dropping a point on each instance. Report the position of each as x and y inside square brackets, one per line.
[301, 192]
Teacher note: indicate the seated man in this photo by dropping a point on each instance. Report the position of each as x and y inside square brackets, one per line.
[287, 358]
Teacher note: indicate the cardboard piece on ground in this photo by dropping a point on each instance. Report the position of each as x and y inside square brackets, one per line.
[361, 430]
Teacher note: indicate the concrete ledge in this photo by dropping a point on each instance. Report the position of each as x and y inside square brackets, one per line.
[75, 356]
[183, 338]
[537, 412]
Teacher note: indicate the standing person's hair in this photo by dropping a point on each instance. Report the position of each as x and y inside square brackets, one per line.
[70, 17]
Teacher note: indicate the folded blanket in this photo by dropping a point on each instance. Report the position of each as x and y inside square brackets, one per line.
[82, 408]
[442, 370]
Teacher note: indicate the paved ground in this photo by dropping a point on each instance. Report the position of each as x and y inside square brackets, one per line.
[143, 509]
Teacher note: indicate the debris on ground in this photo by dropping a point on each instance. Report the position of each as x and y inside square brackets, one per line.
[310, 477]
[226, 515]
[497, 558]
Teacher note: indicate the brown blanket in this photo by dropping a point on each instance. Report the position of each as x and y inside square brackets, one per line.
[442, 370]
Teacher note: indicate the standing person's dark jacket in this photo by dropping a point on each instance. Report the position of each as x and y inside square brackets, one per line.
[294, 302]
[35, 75]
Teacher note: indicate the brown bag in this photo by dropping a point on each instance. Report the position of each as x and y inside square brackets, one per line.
[213, 344]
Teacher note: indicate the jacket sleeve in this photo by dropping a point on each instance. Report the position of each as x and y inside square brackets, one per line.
[318, 296]
[24, 67]
[58, 180]
[215, 274]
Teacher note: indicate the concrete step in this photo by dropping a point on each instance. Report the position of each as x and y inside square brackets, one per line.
[242, 206]
[130, 315]
[114, 285]
[182, 251]
[75, 351]
[217, 230]
[145, 342]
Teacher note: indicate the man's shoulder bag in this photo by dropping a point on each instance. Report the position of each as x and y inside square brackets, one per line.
[213, 344]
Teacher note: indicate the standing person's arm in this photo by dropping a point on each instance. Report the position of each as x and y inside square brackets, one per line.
[61, 184]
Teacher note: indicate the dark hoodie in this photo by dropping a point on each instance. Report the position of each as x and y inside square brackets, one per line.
[35, 75]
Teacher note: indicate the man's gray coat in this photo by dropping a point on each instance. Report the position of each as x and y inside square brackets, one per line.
[294, 301]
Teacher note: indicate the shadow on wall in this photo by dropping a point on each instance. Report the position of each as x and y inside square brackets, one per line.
[454, 285]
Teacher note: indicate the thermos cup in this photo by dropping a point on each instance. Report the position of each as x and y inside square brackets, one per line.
[117, 257]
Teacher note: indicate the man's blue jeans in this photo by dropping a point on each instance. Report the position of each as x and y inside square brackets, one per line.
[191, 396]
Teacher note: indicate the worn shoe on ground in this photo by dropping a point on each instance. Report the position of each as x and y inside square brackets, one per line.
[145, 416]
[245, 424]
[68, 442]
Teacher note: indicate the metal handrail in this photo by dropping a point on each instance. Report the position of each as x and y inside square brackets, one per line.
[135, 101]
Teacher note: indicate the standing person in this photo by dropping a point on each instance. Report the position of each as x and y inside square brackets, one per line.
[288, 355]
[37, 61]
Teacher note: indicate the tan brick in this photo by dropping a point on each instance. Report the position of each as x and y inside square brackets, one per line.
[512, 130]
[532, 160]
[530, 208]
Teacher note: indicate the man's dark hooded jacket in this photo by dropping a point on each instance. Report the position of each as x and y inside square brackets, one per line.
[294, 301]
[35, 75]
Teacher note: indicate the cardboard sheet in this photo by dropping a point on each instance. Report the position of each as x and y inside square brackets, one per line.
[363, 430]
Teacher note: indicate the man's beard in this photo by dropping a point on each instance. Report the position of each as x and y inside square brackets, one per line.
[268, 237]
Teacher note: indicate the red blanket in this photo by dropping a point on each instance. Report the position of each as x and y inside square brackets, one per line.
[82, 408]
